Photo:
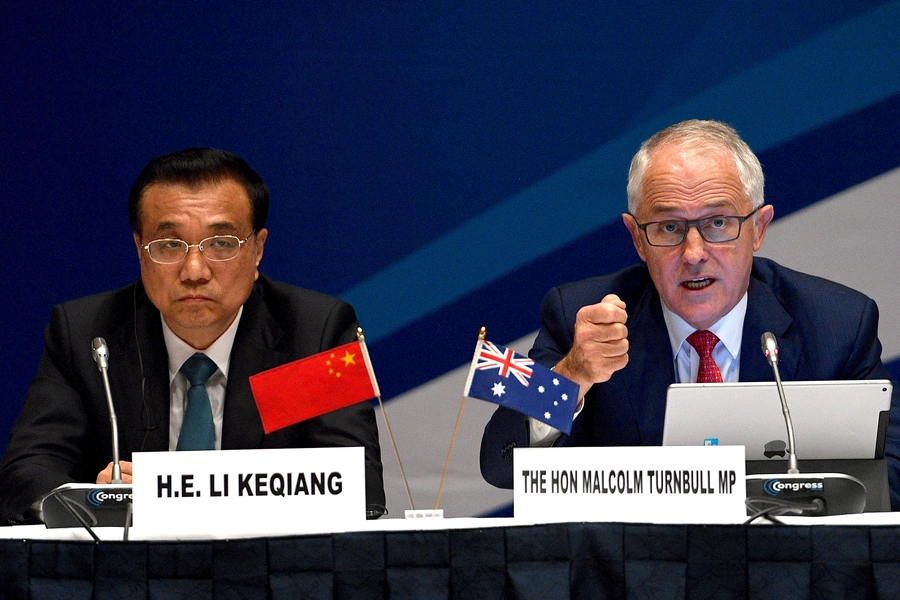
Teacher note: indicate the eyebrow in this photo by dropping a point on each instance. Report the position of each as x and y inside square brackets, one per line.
[171, 227]
[225, 226]
[670, 211]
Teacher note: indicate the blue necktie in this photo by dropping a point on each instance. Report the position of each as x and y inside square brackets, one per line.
[197, 429]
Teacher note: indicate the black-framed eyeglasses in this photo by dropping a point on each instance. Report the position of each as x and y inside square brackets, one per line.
[218, 248]
[714, 230]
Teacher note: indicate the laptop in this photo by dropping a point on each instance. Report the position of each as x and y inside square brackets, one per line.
[831, 419]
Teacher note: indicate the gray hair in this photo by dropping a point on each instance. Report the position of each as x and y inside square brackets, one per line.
[700, 134]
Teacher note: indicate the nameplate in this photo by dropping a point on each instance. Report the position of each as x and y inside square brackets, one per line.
[237, 492]
[648, 484]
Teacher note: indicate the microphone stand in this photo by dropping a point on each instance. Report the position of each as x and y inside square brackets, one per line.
[113, 423]
[101, 355]
[772, 355]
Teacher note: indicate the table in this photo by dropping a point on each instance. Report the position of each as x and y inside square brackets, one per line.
[825, 557]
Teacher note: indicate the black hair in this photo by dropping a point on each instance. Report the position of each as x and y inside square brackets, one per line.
[195, 167]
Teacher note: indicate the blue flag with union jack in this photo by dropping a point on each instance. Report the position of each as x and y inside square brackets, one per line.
[501, 376]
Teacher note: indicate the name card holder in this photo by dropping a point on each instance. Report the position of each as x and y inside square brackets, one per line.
[647, 484]
[248, 492]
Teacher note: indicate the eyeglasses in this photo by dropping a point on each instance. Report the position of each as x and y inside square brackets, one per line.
[216, 248]
[714, 230]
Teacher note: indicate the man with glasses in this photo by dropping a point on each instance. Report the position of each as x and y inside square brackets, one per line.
[199, 218]
[694, 310]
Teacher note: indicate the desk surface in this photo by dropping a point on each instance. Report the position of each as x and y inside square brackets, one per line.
[39, 532]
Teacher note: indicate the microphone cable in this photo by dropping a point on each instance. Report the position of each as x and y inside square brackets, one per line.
[145, 409]
[771, 508]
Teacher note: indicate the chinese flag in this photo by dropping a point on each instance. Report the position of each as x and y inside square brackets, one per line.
[313, 386]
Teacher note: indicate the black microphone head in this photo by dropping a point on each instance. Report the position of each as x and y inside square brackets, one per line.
[770, 347]
[100, 353]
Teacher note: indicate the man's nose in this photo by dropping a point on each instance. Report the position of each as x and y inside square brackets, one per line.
[694, 246]
[195, 265]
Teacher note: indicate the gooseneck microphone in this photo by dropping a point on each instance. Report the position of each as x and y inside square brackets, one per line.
[770, 349]
[101, 357]
[792, 493]
[84, 504]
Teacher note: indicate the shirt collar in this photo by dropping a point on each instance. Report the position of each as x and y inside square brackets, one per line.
[220, 350]
[729, 329]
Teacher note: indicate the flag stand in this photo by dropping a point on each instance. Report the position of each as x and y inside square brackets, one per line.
[462, 405]
[362, 345]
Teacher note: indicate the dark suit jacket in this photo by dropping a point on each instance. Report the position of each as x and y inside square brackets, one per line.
[824, 331]
[63, 432]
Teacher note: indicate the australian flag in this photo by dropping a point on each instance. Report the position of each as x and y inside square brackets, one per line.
[501, 376]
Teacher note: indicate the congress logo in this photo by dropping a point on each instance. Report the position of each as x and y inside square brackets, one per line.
[99, 497]
[774, 487]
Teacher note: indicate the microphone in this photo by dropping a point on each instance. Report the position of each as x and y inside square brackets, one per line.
[770, 349]
[812, 494]
[86, 504]
[101, 357]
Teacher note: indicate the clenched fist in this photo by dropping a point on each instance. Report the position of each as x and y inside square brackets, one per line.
[600, 347]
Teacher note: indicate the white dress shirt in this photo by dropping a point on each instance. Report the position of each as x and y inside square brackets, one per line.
[179, 351]
[727, 353]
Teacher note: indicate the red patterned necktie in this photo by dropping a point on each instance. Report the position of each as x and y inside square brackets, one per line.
[703, 342]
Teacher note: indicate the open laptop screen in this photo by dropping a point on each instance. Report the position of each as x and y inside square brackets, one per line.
[831, 419]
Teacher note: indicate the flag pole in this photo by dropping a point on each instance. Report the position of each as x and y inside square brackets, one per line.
[462, 404]
[365, 351]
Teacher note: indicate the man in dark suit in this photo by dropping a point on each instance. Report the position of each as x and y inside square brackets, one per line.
[199, 229]
[696, 217]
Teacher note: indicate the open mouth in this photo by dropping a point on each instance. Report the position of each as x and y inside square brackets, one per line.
[697, 284]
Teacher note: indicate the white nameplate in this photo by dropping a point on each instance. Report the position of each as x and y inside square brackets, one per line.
[248, 491]
[648, 484]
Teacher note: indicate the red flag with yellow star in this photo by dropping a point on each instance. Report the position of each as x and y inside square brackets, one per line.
[313, 386]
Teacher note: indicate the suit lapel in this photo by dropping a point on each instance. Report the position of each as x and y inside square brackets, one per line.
[254, 351]
[139, 379]
[650, 370]
[765, 313]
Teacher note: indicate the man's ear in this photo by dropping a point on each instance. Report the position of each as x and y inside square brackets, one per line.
[761, 221]
[261, 236]
[636, 237]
